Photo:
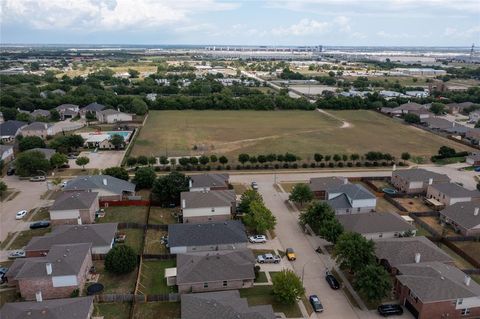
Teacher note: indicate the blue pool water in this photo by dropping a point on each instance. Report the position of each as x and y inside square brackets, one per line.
[125, 134]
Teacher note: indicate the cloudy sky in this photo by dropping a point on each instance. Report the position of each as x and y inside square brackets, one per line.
[247, 22]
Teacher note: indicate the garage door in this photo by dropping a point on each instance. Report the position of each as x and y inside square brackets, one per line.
[411, 308]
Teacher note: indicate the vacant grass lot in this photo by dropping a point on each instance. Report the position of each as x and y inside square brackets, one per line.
[189, 132]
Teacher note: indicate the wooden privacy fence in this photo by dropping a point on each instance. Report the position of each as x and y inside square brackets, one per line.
[107, 298]
[107, 203]
[461, 253]
[159, 256]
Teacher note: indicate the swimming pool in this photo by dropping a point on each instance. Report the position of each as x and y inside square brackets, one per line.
[125, 134]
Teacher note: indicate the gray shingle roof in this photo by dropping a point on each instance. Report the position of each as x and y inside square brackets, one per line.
[475, 157]
[339, 202]
[65, 259]
[216, 198]
[94, 107]
[48, 152]
[223, 304]
[9, 128]
[215, 266]
[368, 223]
[36, 126]
[40, 112]
[463, 214]
[210, 180]
[74, 308]
[420, 174]
[114, 185]
[434, 281]
[400, 251]
[67, 107]
[229, 232]
[97, 234]
[326, 183]
[454, 190]
[353, 191]
[74, 200]
[438, 123]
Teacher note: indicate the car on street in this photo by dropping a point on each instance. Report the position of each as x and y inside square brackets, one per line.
[268, 259]
[291, 254]
[21, 214]
[3, 271]
[40, 224]
[11, 171]
[254, 185]
[477, 169]
[332, 281]
[390, 310]
[16, 254]
[37, 179]
[257, 239]
[316, 304]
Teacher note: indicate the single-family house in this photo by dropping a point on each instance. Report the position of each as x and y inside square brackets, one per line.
[39, 113]
[74, 208]
[229, 235]
[101, 236]
[73, 308]
[10, 129]
[57, 275]
[419, 94]
[393, 252]
[437, 290]
[107, 187]
[218, 270]
[100, 141]
[208, 206]
[416, 181]
[48, 152]
[113, 116]
[473, 135]
[422, 114]
[67, 111]
[91, 108]
[351, 199]
[39, 129]
[222, 304]
[320, 185]
[451, 193]
[473, 159]
[208, 182]
[404, 108]
[376, 225]
[474, 116]
[6, 153]
[455, 108]
[464, 217]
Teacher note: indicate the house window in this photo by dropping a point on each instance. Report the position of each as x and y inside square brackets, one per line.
[380, 235]
[224, 283]
[358, 209]
[459, 301]
[209, 218]
[205, 285]
[213, 210]
[465, 312]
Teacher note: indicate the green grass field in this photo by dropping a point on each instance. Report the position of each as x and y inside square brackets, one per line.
[188, 132]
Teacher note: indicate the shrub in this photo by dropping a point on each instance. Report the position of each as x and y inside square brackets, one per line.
[331, 165]
[312, 165]
[228, 167]
[340, 164]
[285, 165]
[121, 259]
[322, 165]
[358, 164]
[239, 167]
[305, 165]
[219, 167]
[350, 164]
[158, 169]
[294, 165]
[277, 166]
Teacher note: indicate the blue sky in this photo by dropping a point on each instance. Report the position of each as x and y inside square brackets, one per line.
[247, 22]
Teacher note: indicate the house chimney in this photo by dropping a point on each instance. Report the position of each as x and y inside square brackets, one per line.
[345, 180]
[105, 182]
[48, 266]
[394, 167]
[466, 280]
[38, 296]
[184, 203]
[475, 212]
[417, 257]
[430, 181]
[190, 183]
[79, 220]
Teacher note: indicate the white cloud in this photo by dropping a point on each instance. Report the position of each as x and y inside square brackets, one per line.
[473, 32]
[303, 27]
[105, 14]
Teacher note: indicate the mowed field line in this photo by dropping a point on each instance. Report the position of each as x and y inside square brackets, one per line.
[229, 133]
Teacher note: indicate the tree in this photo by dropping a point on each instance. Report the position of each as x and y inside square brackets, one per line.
[58, 159]
[138, 106]
[144, 177]
[82, 161]
[330, 229]
[131, 161]
[354, 157]
[121, 259]
[437, 108]
[247, 198]
[54, 115]
[259, 218]
[142, 160]
[30, 163]
[30, 142]
[118, 172]
[446, 151]
[24, 117]
[243, 158]
[117, 140]
[301, 194]
[3, 188]
[213, 159]
[193, 160]
[223, 160]
[90, 116]
[204, 160]
[317, 157]
[373, 282]
[167, 188]
[163, 160]
[412, 118]
[353, 251]
[337, 157]
[173, 161]
[287, 287]
[315, 214]
[184, 161]
[133, 73]
[406, 156]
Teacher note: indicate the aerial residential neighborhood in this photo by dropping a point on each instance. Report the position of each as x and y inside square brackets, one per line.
[226, 159]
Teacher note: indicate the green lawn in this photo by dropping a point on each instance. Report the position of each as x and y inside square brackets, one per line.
[263, 295]
[471, 247]
[134, 239]
[262, 277]
[450, 160]
[153, 244]
[288, 186]
[189, 132]
[117, 310]
[157, 310]
[42, 214]
[125, 214]
[122, 284]
[153, 280]
[160, 215]
[24, 237]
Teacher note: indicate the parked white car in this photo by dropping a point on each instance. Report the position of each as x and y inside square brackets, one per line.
[268, 259]
[16, 254]
[257, 239]
[21, 214]
[254, 185]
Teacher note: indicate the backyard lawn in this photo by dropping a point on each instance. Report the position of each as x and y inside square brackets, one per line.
[470, 247]
[152, 279]
[134, 239]
[157, 310]
[413, 204]
[263, 295]
[153, 245]
[459, 261]
[118, 310]
[160, 215]
[125, 214]
[122, 284]
[229, 133]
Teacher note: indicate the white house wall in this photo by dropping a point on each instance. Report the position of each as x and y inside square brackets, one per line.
[64, 281]
[206, 211]
[64, 214]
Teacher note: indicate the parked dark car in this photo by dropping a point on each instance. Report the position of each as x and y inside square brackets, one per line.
[390, 310]
[40, 224]
[65, 166]
[316, 304]
[11, 171]
[332, 281]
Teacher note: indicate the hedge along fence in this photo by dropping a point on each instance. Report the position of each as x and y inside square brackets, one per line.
[461, 252]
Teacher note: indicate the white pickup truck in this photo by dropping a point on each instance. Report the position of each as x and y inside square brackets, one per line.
[268, 259]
